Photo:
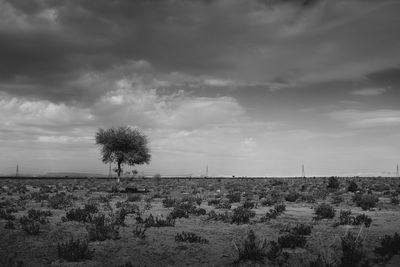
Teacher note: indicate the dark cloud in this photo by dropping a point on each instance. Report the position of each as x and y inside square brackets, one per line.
[388, 78]
[47, 46]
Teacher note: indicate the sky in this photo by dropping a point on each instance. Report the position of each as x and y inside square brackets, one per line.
[249, 88]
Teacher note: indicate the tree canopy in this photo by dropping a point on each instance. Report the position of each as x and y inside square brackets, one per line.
[123, 145]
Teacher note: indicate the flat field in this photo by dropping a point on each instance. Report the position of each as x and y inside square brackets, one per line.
[295, 221]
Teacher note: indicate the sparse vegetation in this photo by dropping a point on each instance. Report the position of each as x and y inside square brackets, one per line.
[345, 218]
[292, 241]
[352, 250]
[241, 215]
[140, 231]
[353, 187]
[273, 213]
[60, 201]
[324, 211]
[333, 183]
[365, 201]
[252, 249]
[6, 214]
[81, 215]
[292, 196]
[389, 246]
[30, 226]
[190, 237]
[101, 228]
[159, 222]
[74, 250]
[93, 214]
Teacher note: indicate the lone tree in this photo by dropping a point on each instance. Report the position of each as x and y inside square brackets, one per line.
[123, 145]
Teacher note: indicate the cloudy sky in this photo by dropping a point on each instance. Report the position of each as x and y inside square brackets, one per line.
[254, 87]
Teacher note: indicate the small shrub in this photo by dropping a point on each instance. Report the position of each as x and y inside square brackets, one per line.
[269, 201]
[321, 261]
[6, 214]
[119, 217]
[280, 208]
[128, 264]
[345, 218]
[74, 250]
[130, 208]
[308, 198]
[140, 231]
[199, 211]
[365, 201]
[292, 196]
[13, 261]
[39, 215]
[390, 246]
[223, 205]
[30, 226]
[190, 237]
[301, 229]
[9, 225]
[39, 196]
[234, 197]
[134, 198]
[199, 201]
[249, 204]
[273, 213]
[101, 229]
[91, 208]
[394, 200]
[159, 222]
[292, 241]
[169, 202]
[213, 202]
[337, 199]
[353, 187]
[242, 215]
[274, 251]
[333, 183]
[60, 201]
[352, 250]
[179, 212]
[362, 218]
[213, 216]
[324, 211]
[251, 249]
[81, 215]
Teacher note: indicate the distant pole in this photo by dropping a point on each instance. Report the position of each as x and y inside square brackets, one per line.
[303, 172]
[397, 172]
[207, 170]
[17, 171]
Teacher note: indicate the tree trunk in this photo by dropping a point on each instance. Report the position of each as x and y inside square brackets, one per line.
[119, 170]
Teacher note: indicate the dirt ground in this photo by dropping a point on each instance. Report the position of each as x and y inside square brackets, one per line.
[159, 247]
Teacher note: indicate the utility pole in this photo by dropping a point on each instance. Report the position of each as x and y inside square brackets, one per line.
[207, 170]
[303, 172]
[17, 171]
[397, 171]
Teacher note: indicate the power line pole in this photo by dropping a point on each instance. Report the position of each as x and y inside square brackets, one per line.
[397, 171]
[207, 170]
[17, 171]
[303, 172]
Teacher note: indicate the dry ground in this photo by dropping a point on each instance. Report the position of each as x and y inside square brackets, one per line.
[159, 247]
